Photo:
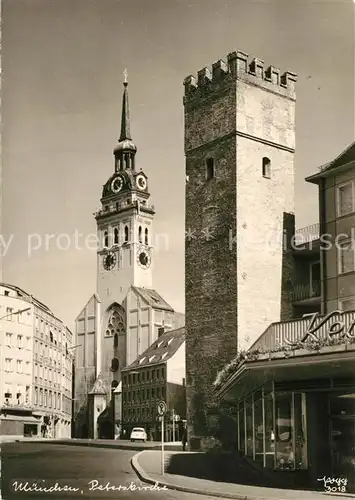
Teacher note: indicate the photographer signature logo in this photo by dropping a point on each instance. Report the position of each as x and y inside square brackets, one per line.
[334, 484]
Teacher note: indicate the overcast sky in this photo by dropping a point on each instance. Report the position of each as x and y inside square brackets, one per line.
[62, 84]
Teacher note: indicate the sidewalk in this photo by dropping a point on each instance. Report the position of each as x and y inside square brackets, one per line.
[147, 465]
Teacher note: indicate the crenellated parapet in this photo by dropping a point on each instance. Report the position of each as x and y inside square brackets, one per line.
[240, 67]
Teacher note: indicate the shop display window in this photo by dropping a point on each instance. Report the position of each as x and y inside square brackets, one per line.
[258, 428]
[249, 427]
[284, 424]
[269, 461]
[241, 428]
[272, 429]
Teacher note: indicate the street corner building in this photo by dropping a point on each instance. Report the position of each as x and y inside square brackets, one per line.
[158, 374]
[292, 393]
[239, 148]
[36, 368]
[121, 320]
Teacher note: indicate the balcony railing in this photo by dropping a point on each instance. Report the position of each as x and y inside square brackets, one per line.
[307, 234]
[304, 291]
[282, 334]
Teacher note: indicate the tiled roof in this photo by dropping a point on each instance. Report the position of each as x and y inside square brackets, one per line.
[153, 298]
[161, 350]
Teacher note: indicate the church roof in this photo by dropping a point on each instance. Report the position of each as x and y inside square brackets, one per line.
[161, 350]
[94, 298]
[153, 298]
[346, 157]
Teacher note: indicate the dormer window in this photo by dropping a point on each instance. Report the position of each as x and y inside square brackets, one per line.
[266, 167]
[210, 169]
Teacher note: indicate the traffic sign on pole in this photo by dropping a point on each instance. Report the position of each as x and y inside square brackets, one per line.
[162, 408]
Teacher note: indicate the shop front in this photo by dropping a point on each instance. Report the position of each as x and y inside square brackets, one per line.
[294, 392]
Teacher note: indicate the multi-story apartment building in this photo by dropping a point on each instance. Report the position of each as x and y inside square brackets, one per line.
[293, 391]
[16, 364]
[36, 366]
[157, 374]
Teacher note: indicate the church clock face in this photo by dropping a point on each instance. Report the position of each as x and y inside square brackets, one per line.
[117, 184]
[109, 261]
[144, 258]
[141, 182]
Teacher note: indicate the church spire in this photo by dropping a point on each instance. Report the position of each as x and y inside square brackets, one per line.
[125, 128]
[126, 149]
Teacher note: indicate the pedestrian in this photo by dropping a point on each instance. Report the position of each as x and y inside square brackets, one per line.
[184, 438]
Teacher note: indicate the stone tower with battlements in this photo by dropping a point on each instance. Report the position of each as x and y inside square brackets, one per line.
[239, 147]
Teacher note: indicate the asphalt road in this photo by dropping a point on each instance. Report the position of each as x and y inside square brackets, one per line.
[93, 473]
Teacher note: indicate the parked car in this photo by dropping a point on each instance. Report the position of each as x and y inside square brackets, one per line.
[138, 434]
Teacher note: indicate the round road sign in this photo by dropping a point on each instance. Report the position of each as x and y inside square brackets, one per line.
[162, 408]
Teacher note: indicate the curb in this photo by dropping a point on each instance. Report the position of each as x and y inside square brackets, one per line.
[143, 476]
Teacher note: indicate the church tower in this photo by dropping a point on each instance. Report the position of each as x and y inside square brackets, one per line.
[124, 223]
[239, 147]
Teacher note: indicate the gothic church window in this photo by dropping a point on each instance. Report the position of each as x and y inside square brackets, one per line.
[146, 241]
[115, 341]
[210, 169]
[116, 236]
[266, 167]
[126, 234]
[140, 234]
[106, 239]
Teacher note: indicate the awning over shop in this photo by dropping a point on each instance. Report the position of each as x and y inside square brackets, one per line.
[318, 367]
[19, 418]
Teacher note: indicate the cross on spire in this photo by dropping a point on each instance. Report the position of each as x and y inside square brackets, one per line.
[125, 75]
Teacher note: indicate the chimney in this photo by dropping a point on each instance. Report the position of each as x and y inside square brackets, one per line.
[161, 330]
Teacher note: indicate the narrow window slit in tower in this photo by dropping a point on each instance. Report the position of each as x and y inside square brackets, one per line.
[209, 169]
[266, 168]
